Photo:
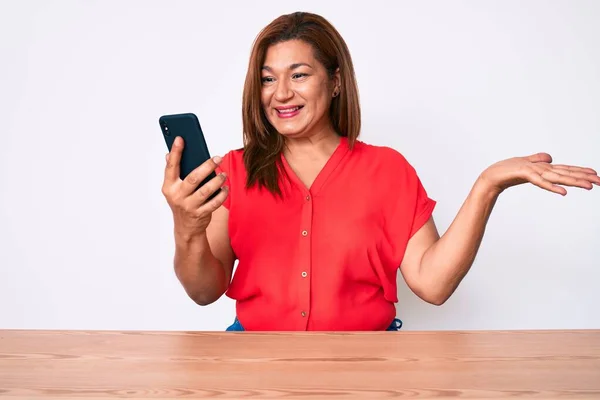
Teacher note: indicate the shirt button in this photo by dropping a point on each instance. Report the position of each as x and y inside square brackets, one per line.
[304, 233]
[304, 274]
[307, 198]
[303, 314]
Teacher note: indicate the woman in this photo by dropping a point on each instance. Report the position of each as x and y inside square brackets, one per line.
[319, 221]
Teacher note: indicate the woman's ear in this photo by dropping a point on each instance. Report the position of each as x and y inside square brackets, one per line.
[337, 83]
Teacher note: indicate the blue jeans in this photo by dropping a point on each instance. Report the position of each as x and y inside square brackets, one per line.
[236, 326]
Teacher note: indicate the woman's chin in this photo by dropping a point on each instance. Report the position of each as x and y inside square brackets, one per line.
[289, 131]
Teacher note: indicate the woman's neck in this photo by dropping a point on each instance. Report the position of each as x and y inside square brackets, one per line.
[321, 144]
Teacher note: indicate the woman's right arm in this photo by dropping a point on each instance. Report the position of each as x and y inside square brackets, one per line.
[203, 255]
[204, 262]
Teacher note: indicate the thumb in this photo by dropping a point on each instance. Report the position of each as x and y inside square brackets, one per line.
[540, 157]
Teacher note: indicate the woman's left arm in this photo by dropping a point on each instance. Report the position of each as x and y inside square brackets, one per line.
[434, 266]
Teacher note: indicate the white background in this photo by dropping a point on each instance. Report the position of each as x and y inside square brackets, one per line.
[86, 236]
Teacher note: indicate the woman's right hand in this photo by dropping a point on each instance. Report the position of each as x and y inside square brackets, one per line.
[191, 214]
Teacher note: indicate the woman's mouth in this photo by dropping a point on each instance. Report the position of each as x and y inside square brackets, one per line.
[288, 112]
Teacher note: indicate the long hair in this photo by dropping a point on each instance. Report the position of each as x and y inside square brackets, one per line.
[262, 143]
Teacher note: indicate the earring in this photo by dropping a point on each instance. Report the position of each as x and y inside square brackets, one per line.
[336, 92]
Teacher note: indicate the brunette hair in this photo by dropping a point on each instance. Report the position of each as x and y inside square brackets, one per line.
[262, 143]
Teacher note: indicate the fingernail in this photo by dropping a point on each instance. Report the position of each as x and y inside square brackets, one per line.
[217, 159]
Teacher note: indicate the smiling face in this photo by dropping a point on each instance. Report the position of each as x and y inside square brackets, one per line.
[297, 90]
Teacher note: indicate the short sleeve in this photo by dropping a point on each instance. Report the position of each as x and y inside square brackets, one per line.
[424, 205]
[407, 206]
[225, 166]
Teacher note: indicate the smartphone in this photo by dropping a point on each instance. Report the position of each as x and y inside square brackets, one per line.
[195, 150]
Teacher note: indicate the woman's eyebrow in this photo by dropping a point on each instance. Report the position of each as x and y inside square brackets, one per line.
[292, 66]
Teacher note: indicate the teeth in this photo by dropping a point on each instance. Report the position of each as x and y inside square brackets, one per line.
[289, 110]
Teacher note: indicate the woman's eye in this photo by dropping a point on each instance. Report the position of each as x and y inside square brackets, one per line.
[267, 79]
[298, 76]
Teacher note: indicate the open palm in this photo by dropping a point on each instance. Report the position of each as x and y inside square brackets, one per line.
[539, 170]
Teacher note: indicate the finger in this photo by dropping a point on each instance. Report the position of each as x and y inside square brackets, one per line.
[216, 202]
[540, 182]
[540, 157]
[206, 190]
[592, 178]
[567, 180]
[173, 159]
[194, 178]
[575, 168]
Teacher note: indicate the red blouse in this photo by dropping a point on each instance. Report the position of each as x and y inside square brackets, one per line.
[324, 258]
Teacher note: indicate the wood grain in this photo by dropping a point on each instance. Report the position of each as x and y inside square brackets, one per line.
[239, 365]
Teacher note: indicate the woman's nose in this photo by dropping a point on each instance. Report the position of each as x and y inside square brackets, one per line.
[283, 92]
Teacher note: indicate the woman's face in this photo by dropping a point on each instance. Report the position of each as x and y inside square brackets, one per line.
[296, 90]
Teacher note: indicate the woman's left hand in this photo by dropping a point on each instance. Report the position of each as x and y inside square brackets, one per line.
[538, 170]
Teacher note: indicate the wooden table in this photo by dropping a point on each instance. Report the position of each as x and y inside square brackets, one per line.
[239, 365]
